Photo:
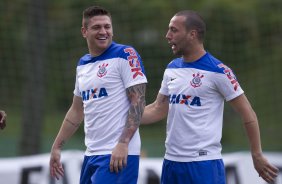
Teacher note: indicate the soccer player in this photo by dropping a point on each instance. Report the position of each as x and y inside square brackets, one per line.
[3, 117]
[109, 96]
[192, 96]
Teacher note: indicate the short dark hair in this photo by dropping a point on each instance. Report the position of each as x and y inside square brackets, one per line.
[93, 11]
[194, 21]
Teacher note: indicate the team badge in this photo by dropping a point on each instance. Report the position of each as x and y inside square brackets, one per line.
[102, 70]
[196, 81]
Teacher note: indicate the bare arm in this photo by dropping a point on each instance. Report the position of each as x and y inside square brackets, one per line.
[156, 111]
[71, 122]
[136, 96]
[69, 126]
[3, 117]
[241, 105]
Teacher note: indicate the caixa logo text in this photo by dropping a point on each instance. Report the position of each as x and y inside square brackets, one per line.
[94, 93]
[184, 99]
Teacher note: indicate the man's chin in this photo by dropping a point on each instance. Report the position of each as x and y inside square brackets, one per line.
[104, 45]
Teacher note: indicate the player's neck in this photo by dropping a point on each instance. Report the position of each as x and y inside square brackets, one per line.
[95, 53]
[194, 55]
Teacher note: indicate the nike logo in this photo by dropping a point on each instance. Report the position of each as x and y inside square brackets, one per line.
[172, 79]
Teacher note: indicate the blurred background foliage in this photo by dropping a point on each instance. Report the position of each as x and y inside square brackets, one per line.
[40, 44]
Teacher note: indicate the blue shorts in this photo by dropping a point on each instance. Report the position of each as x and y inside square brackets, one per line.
[96, 170]
[200, 172]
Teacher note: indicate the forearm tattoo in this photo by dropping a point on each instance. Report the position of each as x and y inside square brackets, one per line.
[76, 125]
[61, 144]
[136, 96]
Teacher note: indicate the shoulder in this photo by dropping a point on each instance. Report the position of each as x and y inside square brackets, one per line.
[114, 51]
[124, 50]
[207, 62]
[210, 63]
[84, 59]
[175, 63]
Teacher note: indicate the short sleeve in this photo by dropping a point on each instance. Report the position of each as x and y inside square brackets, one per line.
[164, 87]
[131, 67]
[228, 85]
[76, 91]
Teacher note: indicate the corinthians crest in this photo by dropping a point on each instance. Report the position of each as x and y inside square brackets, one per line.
[102, 70]
[196, 81]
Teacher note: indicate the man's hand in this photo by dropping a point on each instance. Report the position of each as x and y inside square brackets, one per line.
[56, 168]
[265, 170]
[3, 117]
[119, 157]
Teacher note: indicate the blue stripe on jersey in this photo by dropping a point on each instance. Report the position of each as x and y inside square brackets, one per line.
[114, 51]
[206, 62]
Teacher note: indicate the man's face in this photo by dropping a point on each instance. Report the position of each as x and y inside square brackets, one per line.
[177, 35]
[98, 33]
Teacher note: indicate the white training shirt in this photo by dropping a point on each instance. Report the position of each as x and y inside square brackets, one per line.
[196, 93]
[101, 82]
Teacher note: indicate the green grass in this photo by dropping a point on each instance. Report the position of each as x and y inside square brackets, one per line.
[153, 139]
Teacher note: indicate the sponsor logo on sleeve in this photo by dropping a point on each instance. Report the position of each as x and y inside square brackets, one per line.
[230, 75]
[134, 62]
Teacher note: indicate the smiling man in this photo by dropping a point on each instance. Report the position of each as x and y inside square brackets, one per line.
[109, 96]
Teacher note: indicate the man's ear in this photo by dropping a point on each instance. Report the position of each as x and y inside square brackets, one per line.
[83, 32]
[193, 34]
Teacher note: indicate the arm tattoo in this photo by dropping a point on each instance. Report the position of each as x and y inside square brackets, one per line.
[72, 123]
[61, 144]
[136, 96]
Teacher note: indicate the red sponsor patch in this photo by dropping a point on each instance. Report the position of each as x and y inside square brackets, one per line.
[134, 62]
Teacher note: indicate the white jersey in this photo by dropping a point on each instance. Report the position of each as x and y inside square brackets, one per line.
[196, 93]
[101, 82]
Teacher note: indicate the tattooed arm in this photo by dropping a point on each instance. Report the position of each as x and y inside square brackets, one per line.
[136, 96]
[156, 111]
[69, 126]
